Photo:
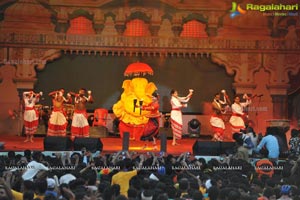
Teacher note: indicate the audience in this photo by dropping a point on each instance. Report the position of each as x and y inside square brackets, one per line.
[133, 176]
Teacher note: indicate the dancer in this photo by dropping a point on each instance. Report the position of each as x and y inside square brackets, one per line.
[176, 115]
[58, 122]
[216, 120]
[31, 118]
[238, 115]
[152, 127]
[80, 125]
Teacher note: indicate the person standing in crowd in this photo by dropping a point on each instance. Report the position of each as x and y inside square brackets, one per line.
[295, 142]
[216, 120]
[237, 120]
[34, 167]
[80, 125]
[58, 122]
[31, 116]
[177, 104]
[285, 192]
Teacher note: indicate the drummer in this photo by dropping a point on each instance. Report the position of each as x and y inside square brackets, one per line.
[58, 123]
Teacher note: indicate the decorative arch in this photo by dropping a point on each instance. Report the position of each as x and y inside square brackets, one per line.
[242, 66]
[281, 66]
[195, 16]
[110, 14]
[167, 16]
[80, 13]
[139, 15]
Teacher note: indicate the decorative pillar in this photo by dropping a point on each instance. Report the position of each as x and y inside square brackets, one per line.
[177, 30]
[212, 25]
[120, 21]
[120, 27]
[154, 29]
[279, 67]
[177, 25]
[62, 27]
[155, 22]
[98, 21]
[62, 24]
[279, 99]
[279, 106]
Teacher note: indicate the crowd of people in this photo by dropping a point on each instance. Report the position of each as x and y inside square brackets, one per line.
[86, 175]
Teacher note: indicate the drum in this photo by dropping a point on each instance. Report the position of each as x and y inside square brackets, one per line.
[39, 108]
[69, 110]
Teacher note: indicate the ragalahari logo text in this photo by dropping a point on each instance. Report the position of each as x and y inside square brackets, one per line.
[278, 9]
[236, 10]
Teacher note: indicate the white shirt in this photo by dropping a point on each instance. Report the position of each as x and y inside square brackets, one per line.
[32, 169]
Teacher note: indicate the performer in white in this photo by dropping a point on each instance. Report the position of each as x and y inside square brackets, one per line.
[58, 122]
[216, 119]
[31, 116]
[176, 115]
[238, 115]
[80, 125]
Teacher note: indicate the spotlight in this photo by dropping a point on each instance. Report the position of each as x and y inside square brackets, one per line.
[194, 127]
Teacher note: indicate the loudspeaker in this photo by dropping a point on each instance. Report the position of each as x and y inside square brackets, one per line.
[163, 142]
[125, 142]
[56, 143]
[211, 148]
[91, 144]
[167, 131]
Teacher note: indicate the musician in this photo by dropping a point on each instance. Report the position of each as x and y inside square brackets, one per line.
[57, 123]
[216, 119]
[177, 104]
[31, 118]
[237, 120]
[80, 125]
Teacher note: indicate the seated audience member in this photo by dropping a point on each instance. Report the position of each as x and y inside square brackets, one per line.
[270, 143]
[242, 152]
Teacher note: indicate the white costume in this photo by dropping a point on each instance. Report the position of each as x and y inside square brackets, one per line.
[31, 118]
[176, 115]
[236, 120]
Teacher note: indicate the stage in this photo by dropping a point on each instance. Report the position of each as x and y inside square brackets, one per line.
[110, 144]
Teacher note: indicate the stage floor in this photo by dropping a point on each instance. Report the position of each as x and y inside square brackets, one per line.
[110, 144]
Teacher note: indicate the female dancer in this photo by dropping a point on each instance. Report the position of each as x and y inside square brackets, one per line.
[177, 104]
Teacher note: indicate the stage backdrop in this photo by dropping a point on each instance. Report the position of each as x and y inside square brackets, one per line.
[104, 76]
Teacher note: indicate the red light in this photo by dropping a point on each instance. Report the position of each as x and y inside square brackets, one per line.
[81, 25]
[193, 29]
[136, 27]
